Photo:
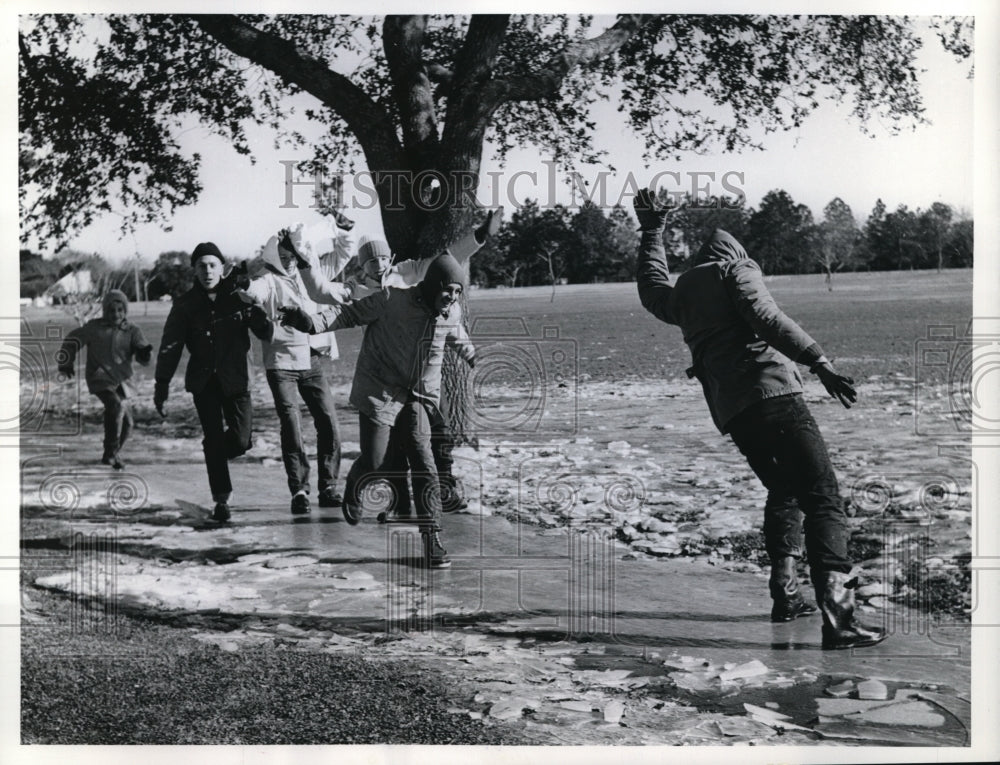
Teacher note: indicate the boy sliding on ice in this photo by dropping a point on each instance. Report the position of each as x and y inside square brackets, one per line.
[739, 340]
[111, 342]
[397, 383]
[298, 362]
[212, 321]
[378, 272]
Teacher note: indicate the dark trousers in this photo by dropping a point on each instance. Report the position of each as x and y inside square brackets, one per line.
[313, 385]
[118, 420]
[386, 451]
[227, 424]
[784, 447]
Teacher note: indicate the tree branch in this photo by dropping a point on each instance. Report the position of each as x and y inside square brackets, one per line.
[546, 82]
[370, 123]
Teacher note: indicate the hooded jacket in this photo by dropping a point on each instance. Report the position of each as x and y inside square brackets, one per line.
[402, 350]
[740, 341]
[277, 287]
[215, 334]
[110, 348]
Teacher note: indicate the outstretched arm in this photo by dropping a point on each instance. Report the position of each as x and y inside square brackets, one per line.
[761, 312]
[652, 274]
[355, 314]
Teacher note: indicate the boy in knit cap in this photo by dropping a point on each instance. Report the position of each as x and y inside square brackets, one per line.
[742, 346]
[397, 383]
[111, 342]
[212, 321]
[378, 272]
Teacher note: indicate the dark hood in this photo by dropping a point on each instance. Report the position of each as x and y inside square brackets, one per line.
[720, 247]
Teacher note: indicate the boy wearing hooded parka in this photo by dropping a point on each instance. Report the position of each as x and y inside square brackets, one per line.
[112, 341]
[741, 344]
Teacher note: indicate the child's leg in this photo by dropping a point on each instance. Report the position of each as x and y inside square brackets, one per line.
[286, 403]
[113, 416]
[128, 422]
[238, 413]
[373, 439]
[415, 432]
[314, 387]
[208, 403]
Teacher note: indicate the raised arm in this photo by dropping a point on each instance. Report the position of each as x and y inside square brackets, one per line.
[652, 274]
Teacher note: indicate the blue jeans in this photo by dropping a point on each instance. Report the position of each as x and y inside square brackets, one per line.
[784, 447]
[385, 453]
[313, 385]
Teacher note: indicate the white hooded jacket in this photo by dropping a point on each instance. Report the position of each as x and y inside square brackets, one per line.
[290, 349]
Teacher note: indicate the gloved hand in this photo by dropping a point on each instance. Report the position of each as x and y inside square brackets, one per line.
[68, 372]
[160, 393]
[490, 226]
[472, 363]
[343, 222]
[285, 242]
[837, 385]
[296, 318]
[240, 275]
[144, 354]
[651, 214]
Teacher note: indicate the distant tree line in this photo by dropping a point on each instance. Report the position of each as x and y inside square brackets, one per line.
[589, 243]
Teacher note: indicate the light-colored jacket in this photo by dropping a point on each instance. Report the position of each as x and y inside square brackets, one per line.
[734, 329]
[400, 275]
[402, 350]
[289, 348]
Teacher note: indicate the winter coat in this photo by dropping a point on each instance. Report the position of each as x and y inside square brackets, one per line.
[215, 334]
[735, 331]
[289, 348]
[401, 352]
[110, 349]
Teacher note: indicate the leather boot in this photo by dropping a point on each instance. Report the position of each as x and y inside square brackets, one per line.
[835, 596]
[785, 591]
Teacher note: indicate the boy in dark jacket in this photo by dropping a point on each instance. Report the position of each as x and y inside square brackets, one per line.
[211, 320]
[111, 342]
[739, 341]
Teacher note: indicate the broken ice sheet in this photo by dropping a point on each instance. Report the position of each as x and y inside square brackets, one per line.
[613, 711]
[741, 726]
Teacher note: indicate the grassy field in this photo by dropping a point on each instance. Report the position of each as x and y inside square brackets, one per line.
[870, 323]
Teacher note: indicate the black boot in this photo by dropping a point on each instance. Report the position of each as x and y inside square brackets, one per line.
[835, 596]
[785, 591]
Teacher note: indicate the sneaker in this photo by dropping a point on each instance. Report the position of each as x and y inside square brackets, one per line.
[330, 498]
[221, 513]
[352, 513]
[434, 553]
[300, 504]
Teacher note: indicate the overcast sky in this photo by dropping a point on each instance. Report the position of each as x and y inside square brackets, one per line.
[242, 204]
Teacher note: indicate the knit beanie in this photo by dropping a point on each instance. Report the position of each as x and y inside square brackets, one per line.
[370, 248]
[444, 269]
[203, 249]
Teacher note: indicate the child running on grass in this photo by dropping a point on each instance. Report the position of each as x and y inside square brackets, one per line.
[397, 383]
[111, 342]
[739, 341]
